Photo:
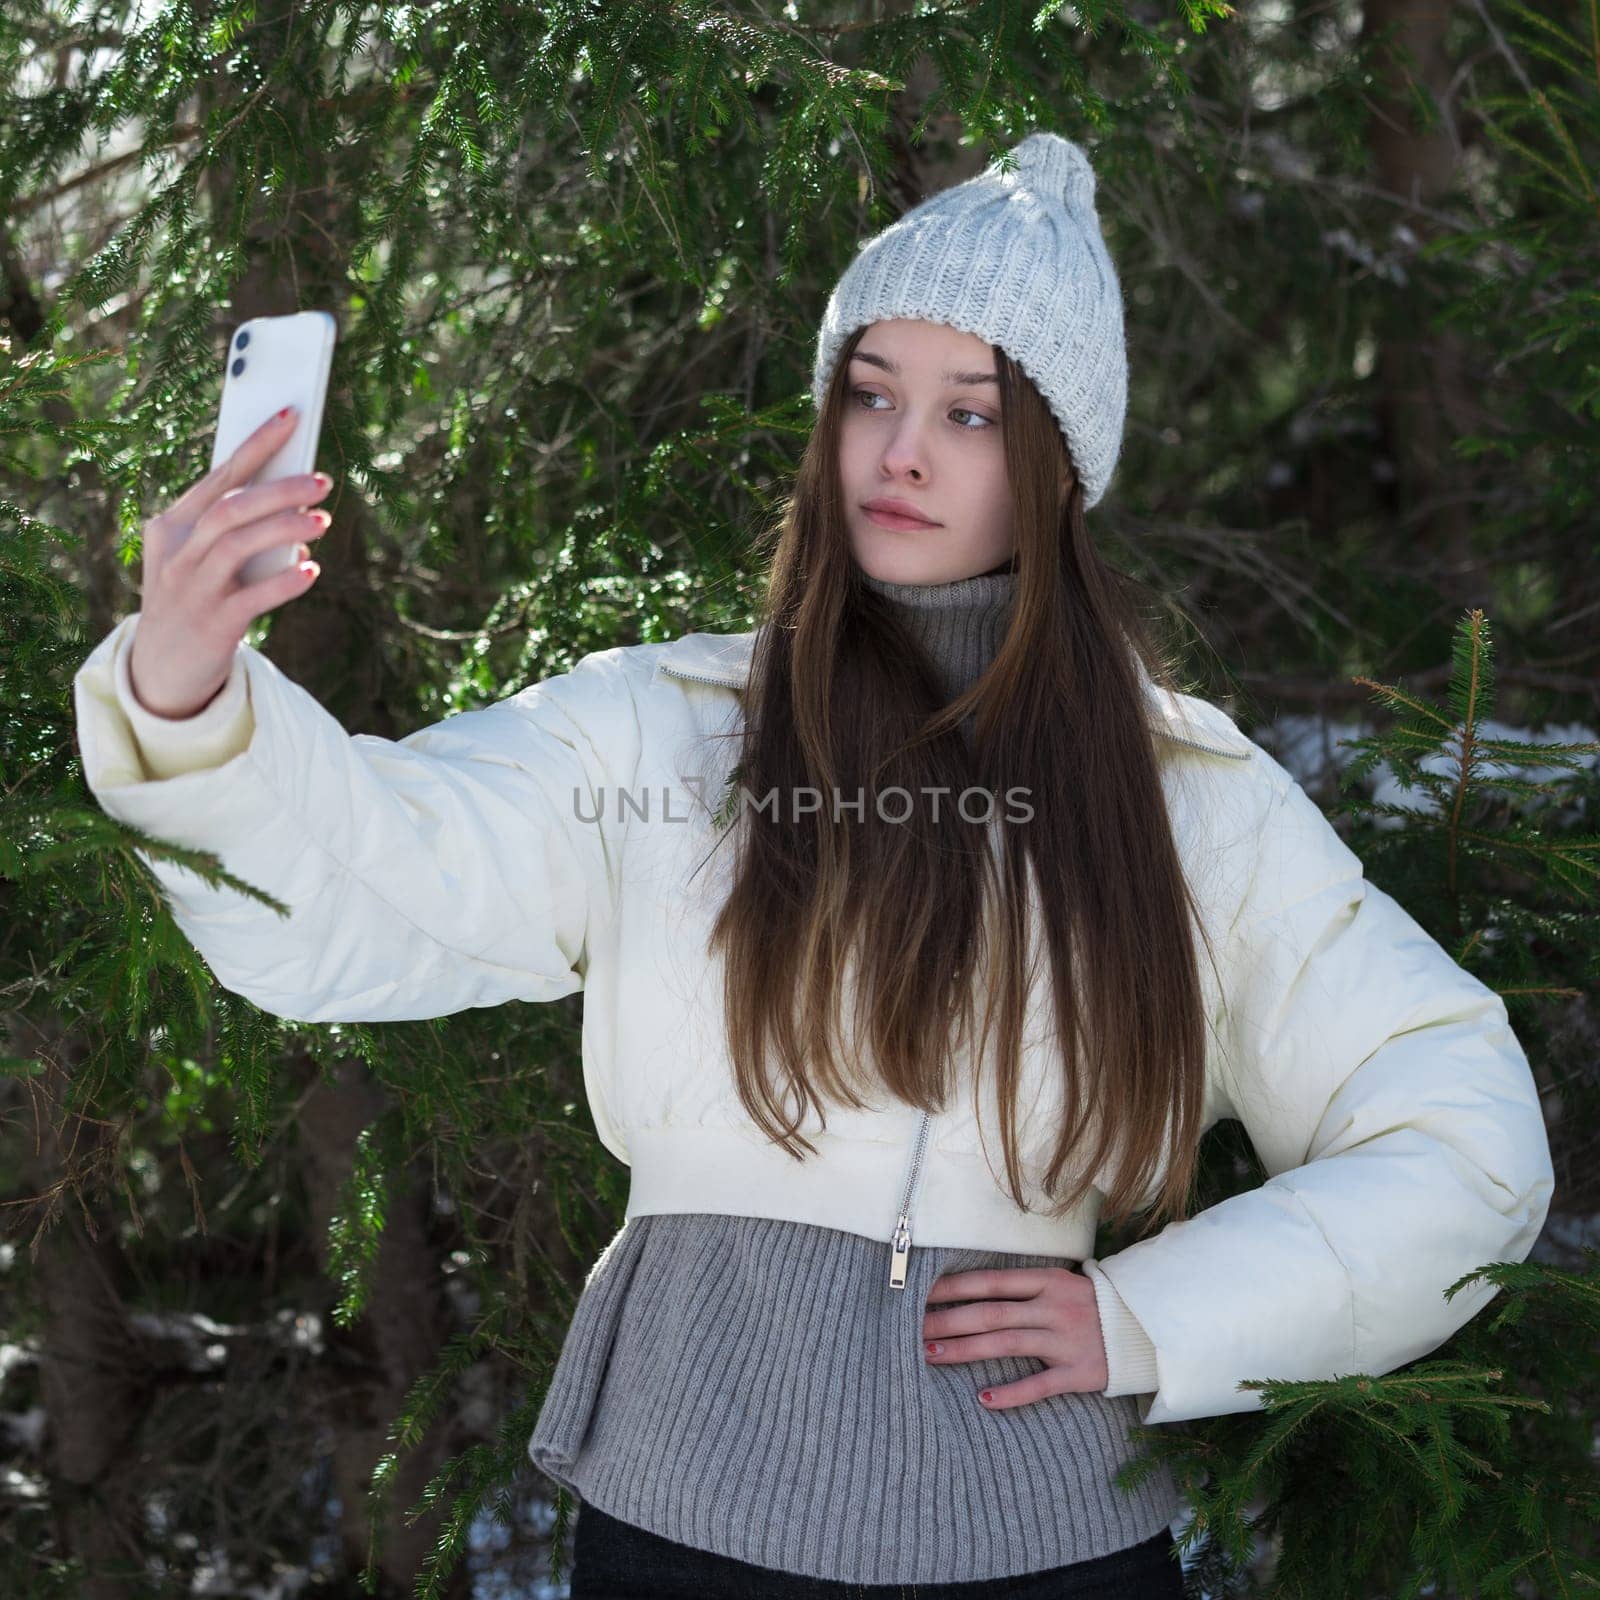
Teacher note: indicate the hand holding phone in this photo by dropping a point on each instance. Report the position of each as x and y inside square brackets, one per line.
[196, 603]
[273, 362]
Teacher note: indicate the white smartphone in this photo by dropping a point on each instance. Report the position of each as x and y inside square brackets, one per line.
[275, 362]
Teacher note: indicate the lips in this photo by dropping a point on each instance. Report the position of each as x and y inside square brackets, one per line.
[897, 514]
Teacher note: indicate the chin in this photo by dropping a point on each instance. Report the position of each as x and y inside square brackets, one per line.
[906, 565]
[908, 572]
[905, 558]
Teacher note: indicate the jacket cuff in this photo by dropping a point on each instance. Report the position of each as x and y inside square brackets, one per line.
[171, 746]
[1130, 1354]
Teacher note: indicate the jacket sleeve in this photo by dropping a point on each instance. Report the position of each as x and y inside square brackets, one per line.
[169, 746]
[1399, 1124]
[460, 866]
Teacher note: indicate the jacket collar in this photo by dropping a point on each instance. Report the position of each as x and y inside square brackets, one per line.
[724, 659]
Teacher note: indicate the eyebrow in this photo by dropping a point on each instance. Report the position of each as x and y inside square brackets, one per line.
[957, 378]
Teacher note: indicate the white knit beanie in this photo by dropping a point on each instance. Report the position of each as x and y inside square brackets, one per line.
[1019, 260]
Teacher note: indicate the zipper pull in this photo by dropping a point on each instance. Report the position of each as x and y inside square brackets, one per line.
[902, 1252]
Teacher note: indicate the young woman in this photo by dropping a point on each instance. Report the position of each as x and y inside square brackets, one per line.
[947, 779]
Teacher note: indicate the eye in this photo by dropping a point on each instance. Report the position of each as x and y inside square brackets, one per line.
[958, 411]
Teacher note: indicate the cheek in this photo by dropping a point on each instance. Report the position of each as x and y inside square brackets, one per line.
[987, 490]
[1000, 487]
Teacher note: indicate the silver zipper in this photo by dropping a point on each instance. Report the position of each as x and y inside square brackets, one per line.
[695, 677]
[1210, 749]
[901, 1240]
[1193, 744]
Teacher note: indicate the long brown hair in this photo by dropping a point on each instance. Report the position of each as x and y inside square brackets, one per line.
[920, 918]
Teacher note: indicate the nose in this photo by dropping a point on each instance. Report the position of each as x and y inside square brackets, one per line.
[905, 455]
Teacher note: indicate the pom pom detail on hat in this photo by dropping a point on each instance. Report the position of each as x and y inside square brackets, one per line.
[1055, 166]
[1018, 259]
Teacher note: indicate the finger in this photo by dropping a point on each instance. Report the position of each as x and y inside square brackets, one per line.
[249, 507]
[990, 1283]
[1039, 1344]
[233, 471]
[255, 599]
[989, 1316]
[1025, 1391]
[219, 565]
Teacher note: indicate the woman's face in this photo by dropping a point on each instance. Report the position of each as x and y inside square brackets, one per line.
[922, 425]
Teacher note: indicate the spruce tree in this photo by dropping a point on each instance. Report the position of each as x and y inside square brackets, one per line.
[578, 254]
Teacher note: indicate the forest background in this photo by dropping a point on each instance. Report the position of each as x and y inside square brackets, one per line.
[279, 1301]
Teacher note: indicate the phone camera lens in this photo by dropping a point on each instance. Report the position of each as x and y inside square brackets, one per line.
[242, 340]
[238, 366]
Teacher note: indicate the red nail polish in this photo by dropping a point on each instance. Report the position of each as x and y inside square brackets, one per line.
[286, 410]
[986, 1396]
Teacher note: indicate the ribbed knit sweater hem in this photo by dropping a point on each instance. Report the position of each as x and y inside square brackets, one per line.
[754, 1387]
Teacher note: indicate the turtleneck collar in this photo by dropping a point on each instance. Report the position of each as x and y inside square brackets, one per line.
[960, 623]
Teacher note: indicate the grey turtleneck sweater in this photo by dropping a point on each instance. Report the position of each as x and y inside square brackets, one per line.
[961, 623]
[754, 1387]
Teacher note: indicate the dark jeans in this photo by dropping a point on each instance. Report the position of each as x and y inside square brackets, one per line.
[613, 1560]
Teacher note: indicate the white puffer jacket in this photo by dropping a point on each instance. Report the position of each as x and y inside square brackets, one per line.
[563, 838]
